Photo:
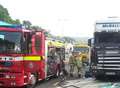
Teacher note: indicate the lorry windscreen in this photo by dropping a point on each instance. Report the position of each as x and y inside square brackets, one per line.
[107, 37]
[10, 42]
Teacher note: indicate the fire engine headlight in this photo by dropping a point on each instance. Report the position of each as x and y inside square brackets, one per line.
[7, 76]
[13, 76]
[13, 83]
[10, 76]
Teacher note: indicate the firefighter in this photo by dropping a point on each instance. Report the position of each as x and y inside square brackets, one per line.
[75, 61]
[71, 63]
[79, 64]
[58, 62]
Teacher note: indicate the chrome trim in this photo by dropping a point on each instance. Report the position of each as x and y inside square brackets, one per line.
[112, 52]
[25, 83]
[111, 47]
[108, 64]
[25, 76]
[108, 57]
[39, 79]
[108, 61]
[109, 68]
[8, 58]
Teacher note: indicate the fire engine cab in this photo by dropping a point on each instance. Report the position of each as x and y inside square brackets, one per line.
[23, 57]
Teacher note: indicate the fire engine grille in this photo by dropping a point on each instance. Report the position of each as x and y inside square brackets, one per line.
[6, 63]
[2, 75]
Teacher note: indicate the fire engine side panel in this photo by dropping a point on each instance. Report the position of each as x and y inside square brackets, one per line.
[50, 59]
[11, 71]
[46, 56]
[35, 65]
[29, 63]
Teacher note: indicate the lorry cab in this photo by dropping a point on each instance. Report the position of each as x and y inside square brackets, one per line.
[106, 56]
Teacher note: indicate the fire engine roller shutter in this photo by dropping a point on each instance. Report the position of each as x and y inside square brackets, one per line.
[34, 58]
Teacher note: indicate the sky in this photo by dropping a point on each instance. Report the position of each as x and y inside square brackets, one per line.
[75, 18]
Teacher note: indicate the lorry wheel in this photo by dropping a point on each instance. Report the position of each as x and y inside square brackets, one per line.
[33, 81]
[98, 77]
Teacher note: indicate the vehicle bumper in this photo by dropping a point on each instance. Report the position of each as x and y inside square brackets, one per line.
[97, 72]
[12, 82]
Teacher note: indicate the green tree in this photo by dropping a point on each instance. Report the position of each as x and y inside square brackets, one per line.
[69, 39]
[36, 28]
[4, 16]
[48, 34]
[17, 21]
[27, 24]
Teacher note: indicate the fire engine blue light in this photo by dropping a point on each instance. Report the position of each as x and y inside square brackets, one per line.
[8, 25]
[7, 64]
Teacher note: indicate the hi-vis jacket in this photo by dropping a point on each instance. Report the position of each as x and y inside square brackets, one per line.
[75, 60]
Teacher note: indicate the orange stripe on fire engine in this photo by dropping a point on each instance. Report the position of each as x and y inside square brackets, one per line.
[34, 58]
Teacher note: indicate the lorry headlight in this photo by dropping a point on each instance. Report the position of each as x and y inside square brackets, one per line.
[99, 52]
[94, 67]
[99, 66]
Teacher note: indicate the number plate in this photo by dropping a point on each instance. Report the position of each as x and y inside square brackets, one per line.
[1, 84]
[112, 52]
[110, 73]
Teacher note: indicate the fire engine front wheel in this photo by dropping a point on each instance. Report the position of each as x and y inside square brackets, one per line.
[32, 81]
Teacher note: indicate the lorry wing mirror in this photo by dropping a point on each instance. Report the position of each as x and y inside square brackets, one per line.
[89, 42]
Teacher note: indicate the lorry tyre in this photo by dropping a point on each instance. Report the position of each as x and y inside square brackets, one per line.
[98, 77]
[33, 81]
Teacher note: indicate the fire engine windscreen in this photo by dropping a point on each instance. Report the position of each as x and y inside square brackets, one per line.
[10, 42]
[107, 37]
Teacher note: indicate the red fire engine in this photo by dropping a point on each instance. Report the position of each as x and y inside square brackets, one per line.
[24, 57]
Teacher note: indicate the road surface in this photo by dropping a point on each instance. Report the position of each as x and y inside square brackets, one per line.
[79, 83]
[112, 82]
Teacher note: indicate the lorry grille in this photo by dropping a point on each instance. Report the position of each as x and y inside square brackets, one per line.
[109, 59]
